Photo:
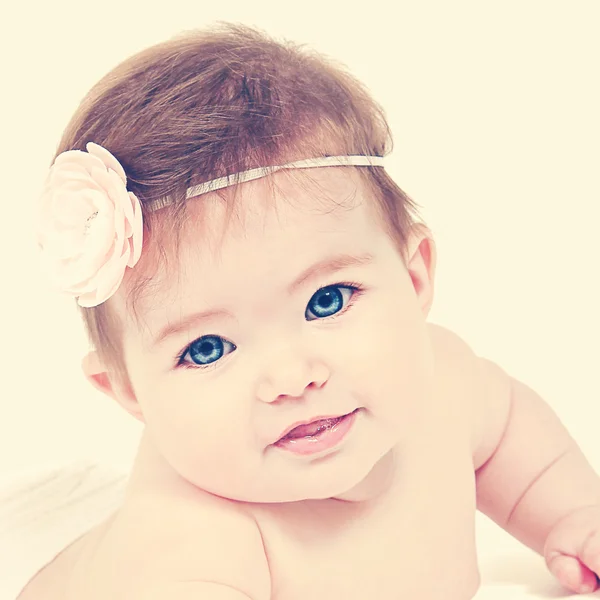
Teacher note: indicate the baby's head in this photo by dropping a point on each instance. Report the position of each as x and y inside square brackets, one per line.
[295, 296]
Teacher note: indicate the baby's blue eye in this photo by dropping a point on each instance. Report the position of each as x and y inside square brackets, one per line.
[328, 300]
[208, 349]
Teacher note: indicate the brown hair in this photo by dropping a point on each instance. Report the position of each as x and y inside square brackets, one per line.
[210, 103]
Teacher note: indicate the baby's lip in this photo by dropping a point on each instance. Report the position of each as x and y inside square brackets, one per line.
[307, 422]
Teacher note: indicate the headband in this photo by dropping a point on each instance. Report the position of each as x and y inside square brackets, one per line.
[229, 180]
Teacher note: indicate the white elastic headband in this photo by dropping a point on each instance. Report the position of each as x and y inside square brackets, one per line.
[223, 182]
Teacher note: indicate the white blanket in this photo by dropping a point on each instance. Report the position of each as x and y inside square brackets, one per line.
[44, 510]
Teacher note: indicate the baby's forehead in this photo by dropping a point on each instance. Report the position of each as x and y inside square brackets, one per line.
[278, 214]
[289, 194]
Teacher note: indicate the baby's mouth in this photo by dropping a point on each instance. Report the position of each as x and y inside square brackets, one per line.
[312, 429]
[320, 435]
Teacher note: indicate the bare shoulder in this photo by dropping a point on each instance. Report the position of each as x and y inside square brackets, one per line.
[447, 344]
[185, 544]
[484, 387]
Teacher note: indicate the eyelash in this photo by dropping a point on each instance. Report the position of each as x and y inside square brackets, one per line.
[357, 290]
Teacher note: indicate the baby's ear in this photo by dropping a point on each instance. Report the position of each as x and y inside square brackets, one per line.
[422, 258]
[96, 373]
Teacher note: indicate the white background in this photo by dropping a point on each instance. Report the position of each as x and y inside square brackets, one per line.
[494, 107]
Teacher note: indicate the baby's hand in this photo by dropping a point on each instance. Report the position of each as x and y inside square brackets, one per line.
[572, 550]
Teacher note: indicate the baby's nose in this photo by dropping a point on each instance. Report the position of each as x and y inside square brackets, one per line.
[291, 379]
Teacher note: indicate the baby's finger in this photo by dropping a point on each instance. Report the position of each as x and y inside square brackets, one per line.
[572, 574]
[590, 552]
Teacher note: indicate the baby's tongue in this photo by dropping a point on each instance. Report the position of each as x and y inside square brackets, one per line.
[312, 428]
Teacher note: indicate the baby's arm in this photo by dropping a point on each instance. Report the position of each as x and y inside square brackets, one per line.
[530, 472]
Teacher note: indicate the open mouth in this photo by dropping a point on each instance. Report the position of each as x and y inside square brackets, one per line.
[318, 435]
[313, 429]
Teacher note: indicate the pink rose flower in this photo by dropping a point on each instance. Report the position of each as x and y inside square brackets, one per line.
[89, 226]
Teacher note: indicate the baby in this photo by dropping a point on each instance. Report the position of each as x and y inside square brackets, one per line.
[307, 434]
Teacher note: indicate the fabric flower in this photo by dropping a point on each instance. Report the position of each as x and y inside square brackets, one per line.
[89, 226]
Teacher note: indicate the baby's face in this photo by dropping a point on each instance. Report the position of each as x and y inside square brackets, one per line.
[295, 314]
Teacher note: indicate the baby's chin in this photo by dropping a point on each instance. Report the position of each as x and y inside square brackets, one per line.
[349, 483]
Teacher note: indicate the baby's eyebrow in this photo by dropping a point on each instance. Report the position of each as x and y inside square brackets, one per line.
[324, 267]
[328, 266]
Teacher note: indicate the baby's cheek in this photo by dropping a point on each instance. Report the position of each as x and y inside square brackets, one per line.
[392, 370]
